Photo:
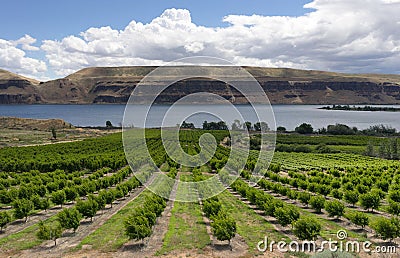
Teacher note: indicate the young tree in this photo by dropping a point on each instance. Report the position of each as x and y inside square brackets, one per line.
[137, 227]
[36, 201]
[359, 218]
[370, 200]
[271, 206]
[49, 232]
[386, 228]
[69, 218]
[351, 197]
[286, 215]
[211, 207]
[54, 133]
[5, 218]
[44, 204]
[58, 197]
[22, 208]
[304, 197]
[87, 208]
[307, 228]
[110, 197]
[337, 194]
[223, 227]
[100, 199]
[334, 208]
[317, 203]
[394, 195]
[394, 208]
[70, 193]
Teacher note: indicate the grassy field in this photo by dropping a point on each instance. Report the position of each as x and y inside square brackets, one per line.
[66, 165]
[187, 229]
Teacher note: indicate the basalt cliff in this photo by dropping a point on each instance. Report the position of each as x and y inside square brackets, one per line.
[283, 86]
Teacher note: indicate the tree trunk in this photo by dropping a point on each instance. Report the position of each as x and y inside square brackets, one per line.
[55, 241]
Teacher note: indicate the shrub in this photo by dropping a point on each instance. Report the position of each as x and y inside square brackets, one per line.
[334, 208]
[307, 228]
[317, 203]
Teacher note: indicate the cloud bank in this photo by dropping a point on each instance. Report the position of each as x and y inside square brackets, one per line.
[336, 35]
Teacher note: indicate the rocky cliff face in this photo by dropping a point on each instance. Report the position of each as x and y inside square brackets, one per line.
[283, 86]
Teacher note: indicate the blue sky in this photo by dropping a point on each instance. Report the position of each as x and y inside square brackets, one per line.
[46, 39]
[49, 19]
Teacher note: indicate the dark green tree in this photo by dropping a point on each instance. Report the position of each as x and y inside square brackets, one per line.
[307, 228]
[69, 218]
[108, 124]
[359, 218]
[304, 128]
[317, 202]
[87, 208]
[281, 129]
[394, 208]
[137, 227]
[22, 208]
[351, 197]
[334, 208]
[286, 215]
[211, 207]
[54, 133]
[223, 227]
[5, 218]
[49, 232]
[387, 228]
[304, 197]
[370, 200]
[58, 197]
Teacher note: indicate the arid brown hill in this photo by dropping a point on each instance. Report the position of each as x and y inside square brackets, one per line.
[283, 86]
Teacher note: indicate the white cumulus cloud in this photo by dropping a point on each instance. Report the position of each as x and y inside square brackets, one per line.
[336, 35]
[14, 59]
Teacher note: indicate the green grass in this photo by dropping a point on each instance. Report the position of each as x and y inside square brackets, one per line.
[110, 236]
[251, 226]
[24, 239]
[350, 148]
[187, 229]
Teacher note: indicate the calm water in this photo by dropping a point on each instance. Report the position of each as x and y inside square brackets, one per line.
[288, 116]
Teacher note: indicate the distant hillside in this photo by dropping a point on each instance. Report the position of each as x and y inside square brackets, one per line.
[283, 86]
[32, 124]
